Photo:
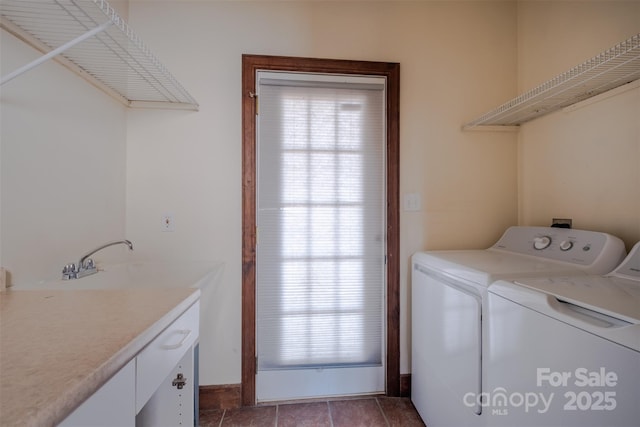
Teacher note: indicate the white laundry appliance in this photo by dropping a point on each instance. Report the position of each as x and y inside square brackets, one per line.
[449, 290]
[565, 351]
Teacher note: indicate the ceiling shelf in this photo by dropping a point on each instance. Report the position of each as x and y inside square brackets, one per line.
[88, 37]
[610, 69]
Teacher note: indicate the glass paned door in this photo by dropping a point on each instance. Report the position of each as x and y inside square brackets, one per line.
[320, 253]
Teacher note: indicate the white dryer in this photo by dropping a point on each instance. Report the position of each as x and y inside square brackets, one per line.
[449, 291]
[565, 351]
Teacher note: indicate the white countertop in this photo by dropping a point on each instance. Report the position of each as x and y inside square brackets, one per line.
[58, 347]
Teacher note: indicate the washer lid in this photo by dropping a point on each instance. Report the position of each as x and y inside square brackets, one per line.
[485, 266]
[613, 296]
[575, 302]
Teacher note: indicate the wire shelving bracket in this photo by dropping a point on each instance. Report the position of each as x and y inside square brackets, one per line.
[88, 37]
[612, 68]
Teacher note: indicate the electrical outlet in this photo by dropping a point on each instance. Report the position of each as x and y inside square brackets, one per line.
[561, 222]
[168, 223]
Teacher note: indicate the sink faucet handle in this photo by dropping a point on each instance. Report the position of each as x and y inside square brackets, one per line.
[89, 263]
[69, 271]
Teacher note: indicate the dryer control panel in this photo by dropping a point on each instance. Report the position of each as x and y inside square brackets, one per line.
[579, 247]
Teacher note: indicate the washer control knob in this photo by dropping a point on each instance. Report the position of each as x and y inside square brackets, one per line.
[565, 245]
[541, 242]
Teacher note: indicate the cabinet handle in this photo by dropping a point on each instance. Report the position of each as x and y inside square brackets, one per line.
[185, 334]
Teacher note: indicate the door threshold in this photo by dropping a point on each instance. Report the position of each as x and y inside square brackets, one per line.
[319, 399]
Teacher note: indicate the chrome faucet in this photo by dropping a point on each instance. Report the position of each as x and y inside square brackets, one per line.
[86, 265]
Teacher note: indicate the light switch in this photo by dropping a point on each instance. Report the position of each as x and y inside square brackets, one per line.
[412, 202]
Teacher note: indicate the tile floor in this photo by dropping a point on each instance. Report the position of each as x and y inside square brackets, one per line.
[365, 412]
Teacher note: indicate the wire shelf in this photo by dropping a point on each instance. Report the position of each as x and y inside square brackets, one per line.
[610, 69]
[115, 57]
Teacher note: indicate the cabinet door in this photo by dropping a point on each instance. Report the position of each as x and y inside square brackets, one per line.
[112, 405]
[160, 356]
[170, 405]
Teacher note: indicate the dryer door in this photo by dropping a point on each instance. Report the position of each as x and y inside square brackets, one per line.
[447, 349]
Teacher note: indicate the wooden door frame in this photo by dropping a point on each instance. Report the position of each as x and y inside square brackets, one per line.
[251, 64]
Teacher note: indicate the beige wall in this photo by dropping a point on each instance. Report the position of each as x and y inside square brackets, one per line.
[457, 59]
[62, 148]
[582, 164]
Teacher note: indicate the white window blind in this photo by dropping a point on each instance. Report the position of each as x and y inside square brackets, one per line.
[320, 215]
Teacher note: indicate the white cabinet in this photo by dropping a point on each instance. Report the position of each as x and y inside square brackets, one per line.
[171, 405]
[165, 375]
[156, 388]
[162, 354]
[112, 405]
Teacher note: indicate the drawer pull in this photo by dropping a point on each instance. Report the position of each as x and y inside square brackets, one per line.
[185, 334]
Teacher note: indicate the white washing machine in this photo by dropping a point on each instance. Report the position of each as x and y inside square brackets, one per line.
[565, 351]
[449, 290]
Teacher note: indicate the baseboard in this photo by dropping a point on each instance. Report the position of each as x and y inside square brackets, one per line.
[405, 385]
[229, 396]
[225, 396]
